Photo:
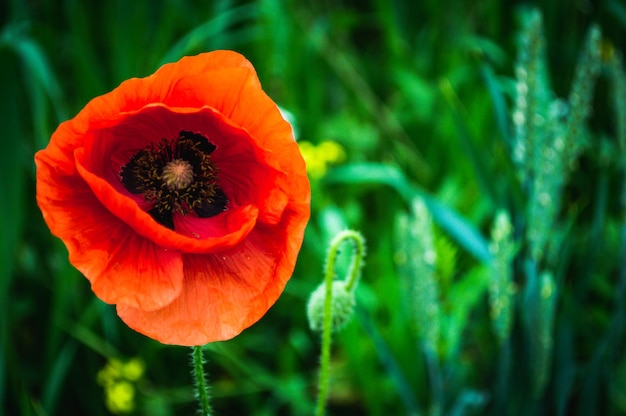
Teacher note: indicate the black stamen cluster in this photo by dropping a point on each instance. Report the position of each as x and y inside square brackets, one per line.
[143, 174]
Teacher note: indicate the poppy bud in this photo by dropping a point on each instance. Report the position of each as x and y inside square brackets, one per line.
[342, 306]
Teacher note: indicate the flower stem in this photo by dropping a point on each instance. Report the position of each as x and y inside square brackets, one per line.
[202, 388]
[352, 278]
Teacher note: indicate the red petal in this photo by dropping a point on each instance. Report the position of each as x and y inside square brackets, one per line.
[206, 228]
[135, 93]
[121, 265]
[226, 292]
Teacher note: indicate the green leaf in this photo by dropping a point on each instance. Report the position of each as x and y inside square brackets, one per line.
[12, 184]
[462, 298]
[459, 228]
[202, 36]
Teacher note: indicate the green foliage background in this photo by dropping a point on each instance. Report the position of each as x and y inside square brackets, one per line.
[420, 95]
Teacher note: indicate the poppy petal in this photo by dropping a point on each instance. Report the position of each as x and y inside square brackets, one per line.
[121, 265]
[135, 93]
[226, 292]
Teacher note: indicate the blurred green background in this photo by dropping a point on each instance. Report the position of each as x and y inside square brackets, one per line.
[419, 97]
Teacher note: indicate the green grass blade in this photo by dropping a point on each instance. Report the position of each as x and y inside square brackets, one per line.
[543, 333]
[452, 222]
[564, 366]
[202, 36]
[12, 186]
[498, 100]
[387, 359]
[56, 377]
[478, 151]
[41, 71]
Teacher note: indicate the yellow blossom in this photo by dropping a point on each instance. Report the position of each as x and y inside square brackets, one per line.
[120, 397]
[133, 369]
[319, 157]
[118, 379]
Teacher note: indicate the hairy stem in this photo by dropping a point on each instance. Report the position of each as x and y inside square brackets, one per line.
[352, 279]
[202, 388]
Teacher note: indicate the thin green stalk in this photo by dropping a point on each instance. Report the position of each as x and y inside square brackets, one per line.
[389, 362]
[202, 388]
[352, 279]
[617, 75]
[502, 384]
[322, 394]
[436, 381]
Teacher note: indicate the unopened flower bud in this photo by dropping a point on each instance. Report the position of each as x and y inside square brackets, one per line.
[342, 306]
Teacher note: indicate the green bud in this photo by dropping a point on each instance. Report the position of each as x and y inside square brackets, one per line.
[342, 306]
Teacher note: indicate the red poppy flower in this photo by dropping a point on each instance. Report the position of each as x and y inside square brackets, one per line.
[182, 197]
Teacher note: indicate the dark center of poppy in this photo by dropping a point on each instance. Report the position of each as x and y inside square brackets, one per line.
[176, 176]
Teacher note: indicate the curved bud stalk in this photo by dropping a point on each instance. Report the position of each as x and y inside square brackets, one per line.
[331, 305]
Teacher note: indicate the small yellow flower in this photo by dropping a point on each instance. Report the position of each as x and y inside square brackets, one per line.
[111, 372]
[319, 157]
[133, 369]
[332, 152]
[118, 379]
[120, 397]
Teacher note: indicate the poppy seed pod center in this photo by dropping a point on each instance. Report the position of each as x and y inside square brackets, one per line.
[176, 176]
